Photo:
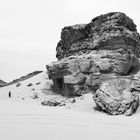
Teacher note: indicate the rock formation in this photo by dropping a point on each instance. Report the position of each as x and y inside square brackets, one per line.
[89, 54]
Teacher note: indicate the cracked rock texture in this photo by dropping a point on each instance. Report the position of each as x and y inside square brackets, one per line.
[89, 54]
[111, 31]
[117, 96]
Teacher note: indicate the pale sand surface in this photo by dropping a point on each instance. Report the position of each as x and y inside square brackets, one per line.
[28, 120]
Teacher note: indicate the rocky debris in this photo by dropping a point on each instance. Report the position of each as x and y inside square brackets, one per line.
[58, 100]
[90, 54]
[117, 96]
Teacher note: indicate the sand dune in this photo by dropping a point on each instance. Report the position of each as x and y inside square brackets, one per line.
[29, 120]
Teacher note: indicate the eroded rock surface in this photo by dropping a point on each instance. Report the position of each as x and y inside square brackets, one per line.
[117, 96]
[107, 32]
[90, 53]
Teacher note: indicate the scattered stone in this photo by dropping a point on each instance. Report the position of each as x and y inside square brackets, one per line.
[50, 103]
[38, 83]
[30, 84]
[73, 101]
[62, 104]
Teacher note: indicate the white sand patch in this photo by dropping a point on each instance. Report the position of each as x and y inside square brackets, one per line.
[28, 121]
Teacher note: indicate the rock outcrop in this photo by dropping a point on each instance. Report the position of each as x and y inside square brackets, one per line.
[90, 53]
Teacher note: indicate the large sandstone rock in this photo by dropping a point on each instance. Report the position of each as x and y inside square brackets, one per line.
[89, 54]
[94, 63]
[117, 96]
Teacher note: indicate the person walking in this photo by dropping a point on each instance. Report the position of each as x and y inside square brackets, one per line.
[9, 94]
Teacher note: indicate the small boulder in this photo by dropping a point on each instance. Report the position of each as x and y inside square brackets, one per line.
[38, 83]
[35, 96]
[50, 103]
[18, 84]
[33, 89]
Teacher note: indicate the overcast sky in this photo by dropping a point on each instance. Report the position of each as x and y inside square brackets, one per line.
[30, 29]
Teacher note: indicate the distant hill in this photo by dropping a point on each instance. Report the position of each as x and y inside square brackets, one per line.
[3, 84]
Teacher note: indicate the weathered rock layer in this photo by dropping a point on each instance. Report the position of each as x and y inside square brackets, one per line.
[106, 32]
[89, 53]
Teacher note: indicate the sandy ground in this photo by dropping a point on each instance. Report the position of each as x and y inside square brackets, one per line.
[20, 121]
[28, 120]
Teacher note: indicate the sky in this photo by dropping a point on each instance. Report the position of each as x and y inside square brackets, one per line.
[30, 29]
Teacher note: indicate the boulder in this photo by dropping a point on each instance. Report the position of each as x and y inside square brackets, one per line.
[50, 103]
[117, 96]
[18, 84]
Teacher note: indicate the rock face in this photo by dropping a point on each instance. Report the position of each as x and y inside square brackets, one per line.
[111, 31]
[90, 53]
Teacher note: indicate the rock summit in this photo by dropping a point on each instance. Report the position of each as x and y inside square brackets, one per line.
[101, 57]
